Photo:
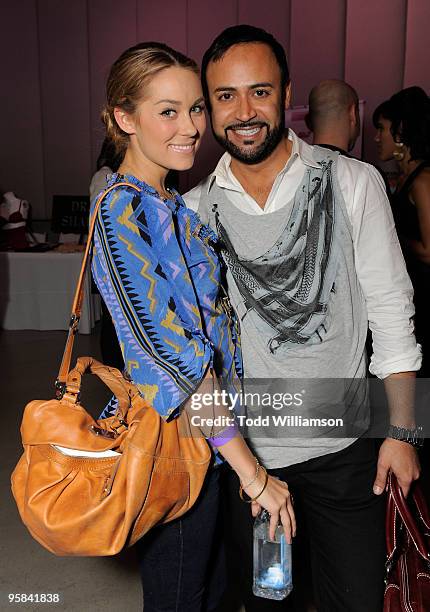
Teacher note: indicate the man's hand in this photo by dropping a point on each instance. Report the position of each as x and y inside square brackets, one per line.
[403, 461]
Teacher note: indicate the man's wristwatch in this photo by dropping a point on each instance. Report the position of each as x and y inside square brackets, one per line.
[414, 437]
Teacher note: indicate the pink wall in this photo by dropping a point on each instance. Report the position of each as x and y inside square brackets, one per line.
[317, 43]
[416, 54]
[374, 61]
[56, 55]
[64, 85]
[110, 31]
[21, 143]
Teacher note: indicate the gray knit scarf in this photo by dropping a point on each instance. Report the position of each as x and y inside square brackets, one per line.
[289, 286]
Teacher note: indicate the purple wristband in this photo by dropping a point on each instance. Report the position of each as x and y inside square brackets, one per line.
[225, 436]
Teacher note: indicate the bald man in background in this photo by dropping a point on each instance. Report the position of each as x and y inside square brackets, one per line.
[334, 116]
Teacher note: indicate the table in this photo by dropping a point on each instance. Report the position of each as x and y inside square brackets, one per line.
[37, 289]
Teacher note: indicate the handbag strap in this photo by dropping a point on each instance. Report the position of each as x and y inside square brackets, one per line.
[422, 507]
[398, 507]
[60, 383]
[390, 526]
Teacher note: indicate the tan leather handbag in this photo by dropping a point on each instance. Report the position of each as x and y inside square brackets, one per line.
[90, 487]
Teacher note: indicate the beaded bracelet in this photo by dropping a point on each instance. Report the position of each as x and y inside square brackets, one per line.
[248, 501]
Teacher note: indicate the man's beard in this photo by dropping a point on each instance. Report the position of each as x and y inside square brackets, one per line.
[263, 151]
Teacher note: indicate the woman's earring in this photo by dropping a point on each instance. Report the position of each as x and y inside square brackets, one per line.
[399, 152]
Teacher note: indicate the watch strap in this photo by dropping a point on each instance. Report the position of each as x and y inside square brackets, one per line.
[414, 437]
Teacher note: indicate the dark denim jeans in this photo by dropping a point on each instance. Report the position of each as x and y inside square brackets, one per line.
[182, 563]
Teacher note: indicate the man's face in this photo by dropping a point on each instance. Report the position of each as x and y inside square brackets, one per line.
[247, 111]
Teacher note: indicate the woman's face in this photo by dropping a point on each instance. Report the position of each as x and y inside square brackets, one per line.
[384, 139]
[169, 122]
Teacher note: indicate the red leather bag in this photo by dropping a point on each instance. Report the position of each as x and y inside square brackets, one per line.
[408, 545]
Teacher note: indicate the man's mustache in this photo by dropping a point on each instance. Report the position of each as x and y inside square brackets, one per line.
[248, 124]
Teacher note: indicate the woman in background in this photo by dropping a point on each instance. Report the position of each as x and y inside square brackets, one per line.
[157, 269]
[403, 134]
[108, 162]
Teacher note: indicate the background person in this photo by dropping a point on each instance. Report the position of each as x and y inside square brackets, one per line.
[108, 162]
[334, 115]
[403, 134]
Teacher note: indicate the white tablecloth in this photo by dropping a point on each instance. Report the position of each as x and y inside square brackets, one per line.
[37, 289]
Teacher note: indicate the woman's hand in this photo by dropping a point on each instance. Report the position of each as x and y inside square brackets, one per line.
[276, 499]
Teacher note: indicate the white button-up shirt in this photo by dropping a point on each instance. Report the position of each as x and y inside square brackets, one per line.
[379, 261]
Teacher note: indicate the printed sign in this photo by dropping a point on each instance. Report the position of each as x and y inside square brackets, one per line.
[70, 214]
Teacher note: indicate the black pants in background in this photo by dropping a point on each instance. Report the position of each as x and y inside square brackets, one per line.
[340, 544]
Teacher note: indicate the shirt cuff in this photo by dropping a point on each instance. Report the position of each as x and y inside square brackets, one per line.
[409, 363]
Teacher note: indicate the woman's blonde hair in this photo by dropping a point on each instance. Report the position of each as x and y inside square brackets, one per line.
[129, 76]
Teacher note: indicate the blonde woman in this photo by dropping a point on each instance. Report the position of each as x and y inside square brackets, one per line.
[157, 269]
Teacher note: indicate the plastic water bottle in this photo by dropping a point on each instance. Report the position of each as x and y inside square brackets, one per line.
[272, 560]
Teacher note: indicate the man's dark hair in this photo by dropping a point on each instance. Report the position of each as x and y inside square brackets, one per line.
[238, 35]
